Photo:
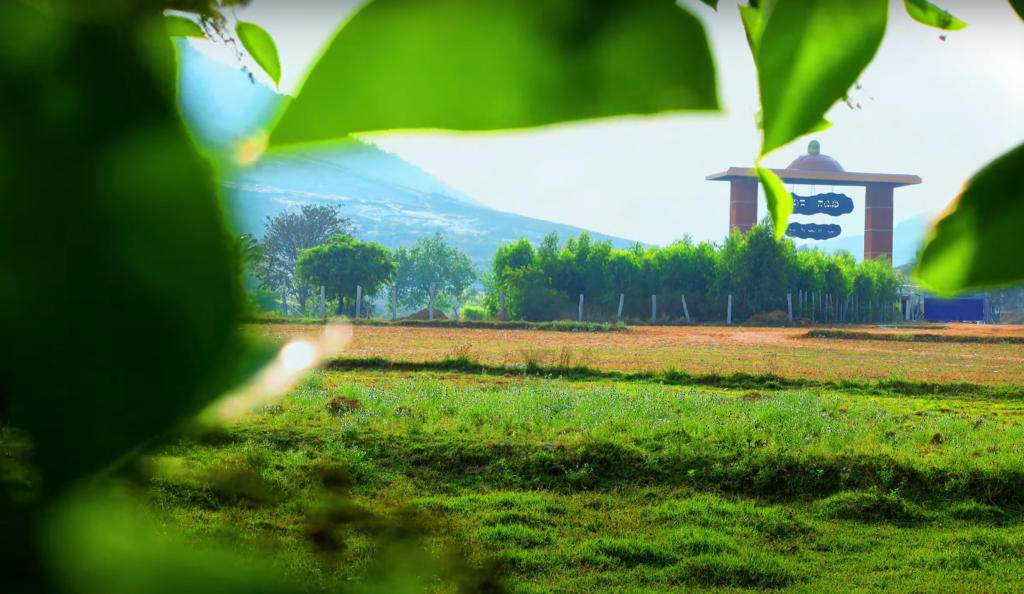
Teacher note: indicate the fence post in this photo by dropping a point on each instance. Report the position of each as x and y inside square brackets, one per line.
[323, 302]
[800, 303]
[359, 300]
[654, 309]
[686, 312]
[622, 299]
[581, 308]
[431, 304]
[789, 306]
[501, 305]
[728, 314]
[813, 317]
[394, 303]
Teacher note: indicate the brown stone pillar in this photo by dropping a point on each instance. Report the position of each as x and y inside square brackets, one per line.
[878, 222]
[742, 204]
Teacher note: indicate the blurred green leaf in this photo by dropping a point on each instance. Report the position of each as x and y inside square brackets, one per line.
[780, 201]
[261, 47]
[178, 26]
[978, 243]
[753, 25]
[711, 3]
[97, 545]
[498, 64]
[120, 301]
[808, 55]
[1018, 7]
[821, 126]
[933, 16]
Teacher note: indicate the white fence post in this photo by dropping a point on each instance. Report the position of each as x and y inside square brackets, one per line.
[728, 315]
[686, 313]
[431, 304]
[323, 302]
[501, 307]
[394, 303]
[359, 300]
[284, 302]
[654, 308]
[789, 306]
[581, 308]
[622, 299]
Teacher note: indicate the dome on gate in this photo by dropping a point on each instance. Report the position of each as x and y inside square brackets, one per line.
[815, 161]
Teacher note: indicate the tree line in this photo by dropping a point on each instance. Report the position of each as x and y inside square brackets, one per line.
[545, 282]
[313, 246]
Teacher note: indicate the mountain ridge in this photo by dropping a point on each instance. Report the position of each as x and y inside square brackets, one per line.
[390, 200]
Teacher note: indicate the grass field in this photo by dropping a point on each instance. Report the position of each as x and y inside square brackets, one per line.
[780, 351]
[607, 486]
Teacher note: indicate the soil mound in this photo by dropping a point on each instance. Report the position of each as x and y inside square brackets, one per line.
[768, 318]
[424, 314]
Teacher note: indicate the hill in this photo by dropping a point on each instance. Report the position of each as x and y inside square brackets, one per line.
[390, 200]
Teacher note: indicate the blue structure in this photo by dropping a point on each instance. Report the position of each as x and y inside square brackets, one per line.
[956, 310]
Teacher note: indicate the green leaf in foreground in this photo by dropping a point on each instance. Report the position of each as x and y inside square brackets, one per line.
[780, 201]
[979, 243]
[753, 25]
[808, 55]
[120, 299]
[178, 26]
[927, 13]
[1018, 7]
[261, 47]
[500, 64]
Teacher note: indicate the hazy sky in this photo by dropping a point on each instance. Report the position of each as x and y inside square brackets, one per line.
[938, 109]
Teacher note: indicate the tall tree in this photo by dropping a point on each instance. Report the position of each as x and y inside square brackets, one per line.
[345, 263]
[438, 269]
[287, 235]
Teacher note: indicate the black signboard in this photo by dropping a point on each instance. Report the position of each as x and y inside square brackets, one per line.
[813, 231]
[830, 204]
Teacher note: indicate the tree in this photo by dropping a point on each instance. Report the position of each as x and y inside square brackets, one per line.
[401, 282]
[287, 235]
[437, 269]
[345, 263]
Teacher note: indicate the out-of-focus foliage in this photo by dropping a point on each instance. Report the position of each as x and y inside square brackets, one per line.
[143, 233]
[927, 13]
[808, 54]
[345, 263]
[261, 47]
[1018, 7]
[182, 27]
[544, 283]
[496, 64]
[780, 201]
[978, 243]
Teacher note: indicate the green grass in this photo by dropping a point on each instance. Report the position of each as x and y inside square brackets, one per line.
[556, 326]
[919, 337]
[611, 486]
[736, 380]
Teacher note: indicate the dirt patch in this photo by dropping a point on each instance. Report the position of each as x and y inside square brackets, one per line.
[768, 318]
[702, 349]
[341, 405]
[424, 314]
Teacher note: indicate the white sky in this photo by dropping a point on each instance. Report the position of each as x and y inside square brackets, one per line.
[937, 109]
